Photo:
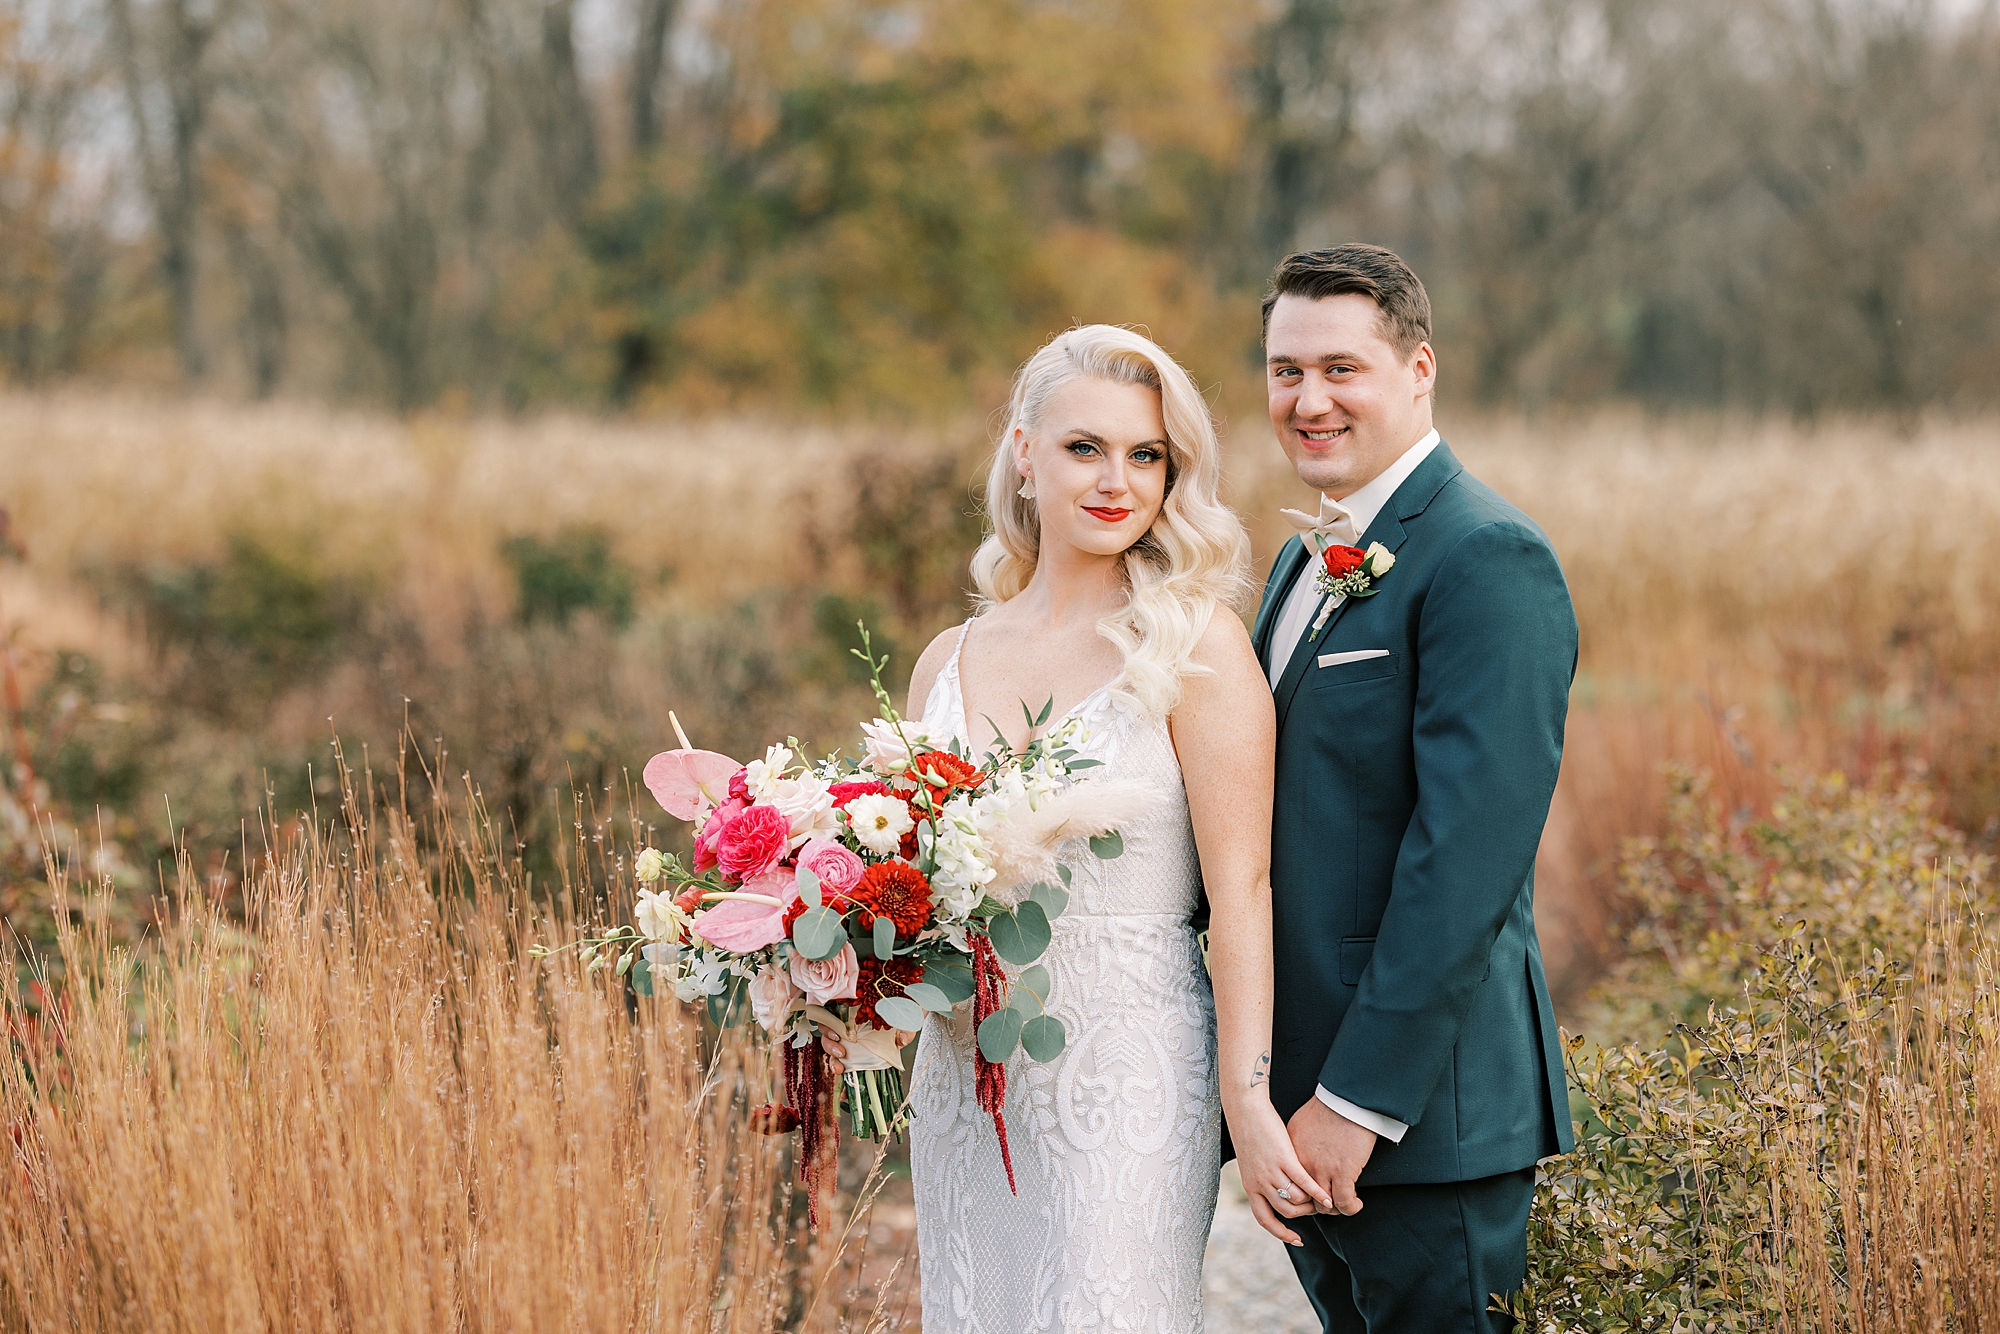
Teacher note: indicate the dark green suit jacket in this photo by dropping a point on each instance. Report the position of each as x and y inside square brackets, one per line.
[1411, 793]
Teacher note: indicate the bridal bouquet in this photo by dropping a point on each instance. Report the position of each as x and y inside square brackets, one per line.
[851, 897]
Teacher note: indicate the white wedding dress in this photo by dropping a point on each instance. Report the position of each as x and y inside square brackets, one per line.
[1115, 1142]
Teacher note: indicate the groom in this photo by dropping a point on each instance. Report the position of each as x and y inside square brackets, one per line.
[1420, 726]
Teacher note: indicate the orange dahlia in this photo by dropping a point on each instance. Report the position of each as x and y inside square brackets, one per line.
[897, 891]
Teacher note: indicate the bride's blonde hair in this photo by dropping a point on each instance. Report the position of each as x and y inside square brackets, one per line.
[1192, 560]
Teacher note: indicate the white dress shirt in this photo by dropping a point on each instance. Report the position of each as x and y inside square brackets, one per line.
[1361, 507]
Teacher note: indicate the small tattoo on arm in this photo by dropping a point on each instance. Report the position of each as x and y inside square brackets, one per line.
[1262, 1074]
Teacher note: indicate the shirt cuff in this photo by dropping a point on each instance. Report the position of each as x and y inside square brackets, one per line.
[1387, 1127]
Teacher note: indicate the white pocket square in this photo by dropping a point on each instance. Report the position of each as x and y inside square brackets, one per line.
[1352, 655]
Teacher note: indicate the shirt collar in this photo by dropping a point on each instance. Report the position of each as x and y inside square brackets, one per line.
[1366, 503]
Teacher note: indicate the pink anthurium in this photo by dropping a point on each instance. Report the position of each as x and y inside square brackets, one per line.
[689, 782]
[742, 925]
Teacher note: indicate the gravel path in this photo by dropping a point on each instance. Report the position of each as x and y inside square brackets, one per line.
[1247, 1283]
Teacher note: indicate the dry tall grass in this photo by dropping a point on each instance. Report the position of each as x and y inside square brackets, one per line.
[365, 1107]
[1749, 593]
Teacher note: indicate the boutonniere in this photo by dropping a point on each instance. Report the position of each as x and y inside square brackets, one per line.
[1349, 572]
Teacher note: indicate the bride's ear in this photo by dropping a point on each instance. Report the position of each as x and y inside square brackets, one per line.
[1021, 461]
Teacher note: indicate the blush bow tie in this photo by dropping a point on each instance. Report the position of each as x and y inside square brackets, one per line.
[1332, 526]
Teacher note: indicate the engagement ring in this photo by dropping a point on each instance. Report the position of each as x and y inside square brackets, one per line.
[1284, 1192]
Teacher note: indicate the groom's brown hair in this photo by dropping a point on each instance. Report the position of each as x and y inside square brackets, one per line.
[1364, 270]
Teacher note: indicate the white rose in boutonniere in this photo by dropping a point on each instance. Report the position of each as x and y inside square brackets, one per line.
[1379, 560]
[1348, 572]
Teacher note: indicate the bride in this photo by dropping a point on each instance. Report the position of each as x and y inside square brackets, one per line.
[1107, 585]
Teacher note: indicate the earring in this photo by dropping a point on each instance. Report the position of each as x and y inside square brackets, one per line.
[1027, 491]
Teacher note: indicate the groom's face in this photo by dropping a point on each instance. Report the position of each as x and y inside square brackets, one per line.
[1344, 402]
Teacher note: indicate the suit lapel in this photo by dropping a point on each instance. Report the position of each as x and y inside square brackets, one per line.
[1291, 559]
[1389, 528]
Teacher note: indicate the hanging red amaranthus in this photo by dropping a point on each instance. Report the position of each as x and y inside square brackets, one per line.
[989, 993]
[806, 1088]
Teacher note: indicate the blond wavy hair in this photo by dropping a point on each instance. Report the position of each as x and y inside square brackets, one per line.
[1193, 559]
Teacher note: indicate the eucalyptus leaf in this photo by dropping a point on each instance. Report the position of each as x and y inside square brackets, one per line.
[952, 978]
[1074, 765]
[808, 886]
[885, 938]
[900, 1012]
[1036, 979]
[1043, 1037]
[1108, 846]
[1020, 936]
[1026, 1001]
[1000, 1034]
[819, 933]
[1053, 898]
[642, 978]
[932, 998]
[1064, 872]
[728, 1009]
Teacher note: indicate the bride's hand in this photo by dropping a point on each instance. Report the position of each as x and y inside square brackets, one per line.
[1265, 1157]
[836, 1054]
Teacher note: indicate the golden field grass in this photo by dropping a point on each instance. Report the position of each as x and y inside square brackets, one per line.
[292, 1068]
[1750, 594]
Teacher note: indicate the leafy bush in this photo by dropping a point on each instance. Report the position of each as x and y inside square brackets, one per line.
[572, 572]
[1839, 956]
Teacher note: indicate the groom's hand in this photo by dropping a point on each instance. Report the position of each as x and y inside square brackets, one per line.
[1333, 1149]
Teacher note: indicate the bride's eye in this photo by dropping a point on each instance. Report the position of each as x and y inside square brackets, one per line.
[1147, 454]
[1083, 449]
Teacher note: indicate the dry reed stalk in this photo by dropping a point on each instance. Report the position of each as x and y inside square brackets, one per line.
[1888, 1207]
[371, 1110]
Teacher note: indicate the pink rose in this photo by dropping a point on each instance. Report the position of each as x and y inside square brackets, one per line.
[743, 926]
[829, 979]
[711, 830]
[752, 843]
[837, 868]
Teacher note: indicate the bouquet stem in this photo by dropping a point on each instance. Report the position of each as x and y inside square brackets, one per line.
[874, 1102]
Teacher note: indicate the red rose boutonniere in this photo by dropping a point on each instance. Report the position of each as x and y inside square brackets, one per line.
[1349, 572]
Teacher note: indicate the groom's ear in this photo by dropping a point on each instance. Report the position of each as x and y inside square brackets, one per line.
[1423, 366]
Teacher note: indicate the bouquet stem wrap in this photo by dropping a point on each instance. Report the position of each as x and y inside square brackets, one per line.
[989, 983]
[873, 1083]
[805, 1087]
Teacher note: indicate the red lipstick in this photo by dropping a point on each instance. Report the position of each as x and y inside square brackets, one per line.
[1107, 514]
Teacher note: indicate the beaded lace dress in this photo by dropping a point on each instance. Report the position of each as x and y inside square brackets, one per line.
[1116, 1142]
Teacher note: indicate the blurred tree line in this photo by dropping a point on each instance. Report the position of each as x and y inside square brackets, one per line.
[858, 206]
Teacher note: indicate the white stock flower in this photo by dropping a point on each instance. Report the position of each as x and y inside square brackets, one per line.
[657, 917]
[879, 822]
[807, 803]
[761, 777]
[887, 753]
[648, 865]
[771, 996]
[962, 873]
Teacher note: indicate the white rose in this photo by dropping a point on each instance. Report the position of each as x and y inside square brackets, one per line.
[1379, 559]
[888, 755]
[808, 804]
[648, 865]
[657, 917]
[762, 777]
[771, 996]
[879, 822]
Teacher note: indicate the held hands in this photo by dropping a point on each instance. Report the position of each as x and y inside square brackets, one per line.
[1278, 1184]
[1334, 1150]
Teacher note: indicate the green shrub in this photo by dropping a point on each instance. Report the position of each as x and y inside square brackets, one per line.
[571, 572]
[1813, 968]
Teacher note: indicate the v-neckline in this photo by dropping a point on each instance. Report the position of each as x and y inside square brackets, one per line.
[965, 714]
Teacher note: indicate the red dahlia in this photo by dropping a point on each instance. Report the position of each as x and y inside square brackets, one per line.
[899, 892]
[880, 980]
[943, 764]
[845, 792]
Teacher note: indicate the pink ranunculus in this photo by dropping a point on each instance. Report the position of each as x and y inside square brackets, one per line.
[829, 979]
[711, 832]
[753, 843]
[742, 926]
[837, 868]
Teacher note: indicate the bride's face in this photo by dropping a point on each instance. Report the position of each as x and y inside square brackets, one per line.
[1099, 464]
